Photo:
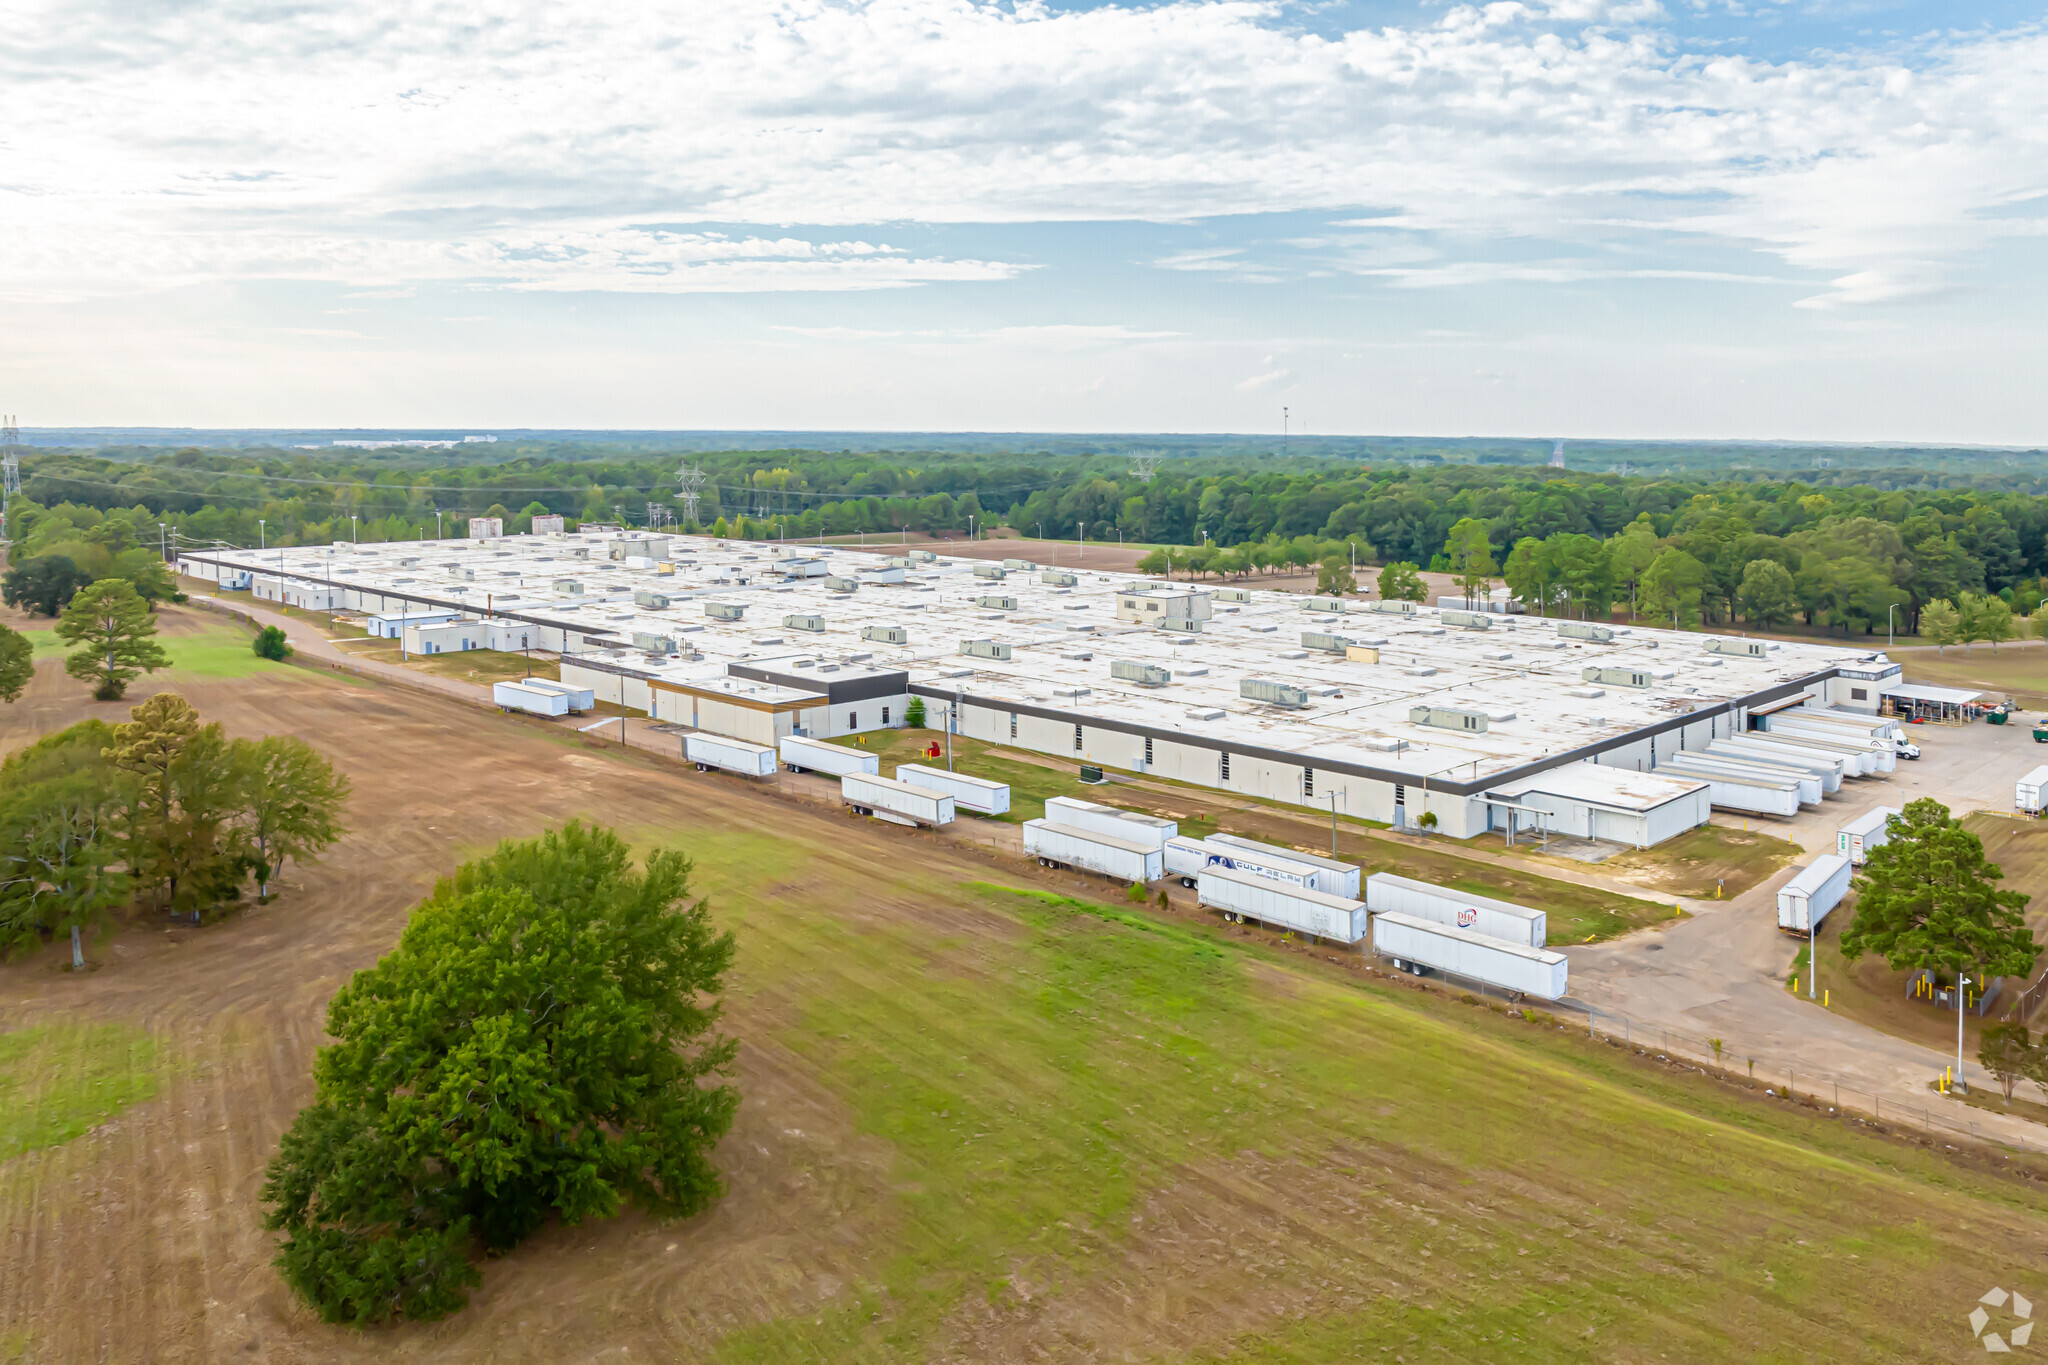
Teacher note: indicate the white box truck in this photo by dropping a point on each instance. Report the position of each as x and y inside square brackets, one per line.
[815, 756]
[516, 696]
[1503, 920]
[1189, 858]
[1414, 942]
[729, 755]
[1243, 895]
[1064, 846]
[899, 803]
[1805, 901]
[1075, 813]
[1855, 839]
[976, 794]
[2030, 793]
[1337, 879]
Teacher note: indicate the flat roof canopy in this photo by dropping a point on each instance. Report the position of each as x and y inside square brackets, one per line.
[1934, 696]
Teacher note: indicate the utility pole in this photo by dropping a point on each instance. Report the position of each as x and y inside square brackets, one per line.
[1962, 996]
[1283, 430]
[1143, 467]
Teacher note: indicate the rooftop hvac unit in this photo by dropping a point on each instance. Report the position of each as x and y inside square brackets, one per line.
[644, 598]
[1362, 654]
[1335, 604]
[1147, 675]
[989, 571]
[1176, 623]
[1448, 718]
[568, 586]
[1626, 677]
[1741, 649]
[1397, 608]
[801, 621]
[653, 644]
[837, 584]
[1232, 595]
[1020, 565]
[1272, 693]
[984, 649]
[1329, 644]
[921, 556]
[899, 562]
[1059, 578]
[725, 611]
[996, 603]
[1584, 630]
[1471, 620]
[885, 635]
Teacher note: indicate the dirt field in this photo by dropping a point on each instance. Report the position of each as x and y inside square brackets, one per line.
[978, 1124]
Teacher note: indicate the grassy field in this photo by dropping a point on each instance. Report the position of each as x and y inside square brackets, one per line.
[471, 665]
[208, 650]
[58, 1080]
[2015, 670]
[1068, 1091]
[1706, 860]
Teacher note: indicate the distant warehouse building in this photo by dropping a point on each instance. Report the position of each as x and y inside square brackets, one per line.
[1461, 721]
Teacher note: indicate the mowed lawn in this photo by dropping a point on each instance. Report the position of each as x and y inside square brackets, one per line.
[1098, 1121]
[2016, 670]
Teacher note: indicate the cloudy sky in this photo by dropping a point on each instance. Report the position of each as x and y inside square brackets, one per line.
[1718, 218]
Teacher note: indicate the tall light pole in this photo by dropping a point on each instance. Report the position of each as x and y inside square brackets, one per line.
[1081, 538]
[163, 541]
[1888, 624]
[437, 523]
[351, 528]
[261, 542]
[1962, 994]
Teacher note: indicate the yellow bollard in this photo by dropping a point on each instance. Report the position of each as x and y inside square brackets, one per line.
[1825, 999]
[1795, 985]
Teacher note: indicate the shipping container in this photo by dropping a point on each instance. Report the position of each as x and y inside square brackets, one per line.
[2030, 793]
[1855, 839]
[976, 794]
[1338, 879]
[514, 696]
[729, 755]
[803, 755]
[1075, 813]
[1064, 846]
[1503, 920]
[1243, 895]
[897, 802]
[1460, 952]
[1805, 901]
[1187, 858]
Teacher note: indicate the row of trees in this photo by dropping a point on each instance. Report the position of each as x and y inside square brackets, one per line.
[112, 632]
[160, 810]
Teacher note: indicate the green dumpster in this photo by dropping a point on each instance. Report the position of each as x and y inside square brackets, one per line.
[1996, 718]
[2041, 734]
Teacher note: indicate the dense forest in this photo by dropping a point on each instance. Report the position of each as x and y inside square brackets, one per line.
[1835, 553]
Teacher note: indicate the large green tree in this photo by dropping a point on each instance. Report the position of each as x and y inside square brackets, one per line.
[1941, 623]
[60, 852]
[1402, 582]
[17, 664]
[43, 586]
[1470, 551]
[115, 637]
[290, 800]
[1929, 900]
[540, 1044]
[1672, 585]
[1766, 595]
[182, 840]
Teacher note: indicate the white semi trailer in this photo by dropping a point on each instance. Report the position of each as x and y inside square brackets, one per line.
[729, 755]
[1504, 920]
[1820, 768]
[801, 755]
[1246, 895]
[1075, 813]
[1840, 763]
[1339, 879]
[1806, 791]
[580, 699]
[1855, 839]
[1064, 846]
[897, 802]
[976, 794]
[1805, 901]
[1188, 858]
[1446, 948]
[2030, 793]
[515, 696]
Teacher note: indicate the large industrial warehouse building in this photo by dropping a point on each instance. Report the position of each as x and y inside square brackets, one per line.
[1382, 711]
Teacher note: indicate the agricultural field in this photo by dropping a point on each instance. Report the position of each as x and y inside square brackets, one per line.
[2015, 669]
[988, 1114]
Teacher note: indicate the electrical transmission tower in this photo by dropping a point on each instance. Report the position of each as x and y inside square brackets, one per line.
[655, 514]
[1143, 467]
[1557, 456]
[689, 487]
[10, 469]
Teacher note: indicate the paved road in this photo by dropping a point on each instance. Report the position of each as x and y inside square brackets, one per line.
[1719, 973]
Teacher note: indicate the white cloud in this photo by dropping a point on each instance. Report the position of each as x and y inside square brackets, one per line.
[565, 146]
